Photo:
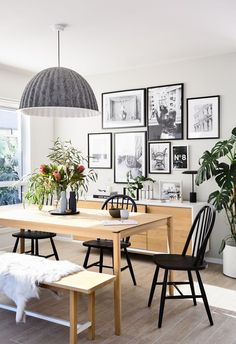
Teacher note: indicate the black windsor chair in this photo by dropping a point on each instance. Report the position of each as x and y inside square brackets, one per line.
[201, 229]
[35, 236]
[116, 201]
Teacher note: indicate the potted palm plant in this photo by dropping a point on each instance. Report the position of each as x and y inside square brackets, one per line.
[220, 163]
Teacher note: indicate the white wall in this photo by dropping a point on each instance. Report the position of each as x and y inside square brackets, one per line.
[38, 132]
[201, 77]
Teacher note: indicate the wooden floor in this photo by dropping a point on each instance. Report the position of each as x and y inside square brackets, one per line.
[182, 323]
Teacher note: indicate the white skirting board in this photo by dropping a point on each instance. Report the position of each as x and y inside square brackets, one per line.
[80, 327]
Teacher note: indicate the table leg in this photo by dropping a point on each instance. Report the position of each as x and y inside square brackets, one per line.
[22, 243]
[170, 235]
[73, 317]
[91, 315]
[117, 285]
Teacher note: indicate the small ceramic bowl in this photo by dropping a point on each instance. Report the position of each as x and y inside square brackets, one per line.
[115, 212]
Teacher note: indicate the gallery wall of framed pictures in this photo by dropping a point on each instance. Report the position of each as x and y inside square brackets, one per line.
[155, 117]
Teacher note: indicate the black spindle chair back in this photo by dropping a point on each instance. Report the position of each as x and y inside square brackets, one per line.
[120, 201]
[201, 230]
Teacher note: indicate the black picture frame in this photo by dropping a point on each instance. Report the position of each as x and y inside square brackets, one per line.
[159, 157]
[165, 112]
[100, 150]
[180, 157]
[129, 155]
[124, 109]
[203, 117]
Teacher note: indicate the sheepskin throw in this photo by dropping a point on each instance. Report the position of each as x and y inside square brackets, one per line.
[20, 275]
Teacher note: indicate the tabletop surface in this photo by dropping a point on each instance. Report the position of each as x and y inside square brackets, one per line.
[31, 217]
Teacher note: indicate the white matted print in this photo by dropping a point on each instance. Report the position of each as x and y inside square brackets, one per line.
[203, 117]
[130, 156]
[99, 150]
[180, 157]
[123, 109]
[159, 157]
[170, 190]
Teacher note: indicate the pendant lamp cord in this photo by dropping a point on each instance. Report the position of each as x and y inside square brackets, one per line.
[58, 49]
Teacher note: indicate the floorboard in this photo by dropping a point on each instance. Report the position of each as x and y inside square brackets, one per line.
[182, 323]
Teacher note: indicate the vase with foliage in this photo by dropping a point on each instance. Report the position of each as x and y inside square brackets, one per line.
[136, 184]
[66, 171]
[219, 163]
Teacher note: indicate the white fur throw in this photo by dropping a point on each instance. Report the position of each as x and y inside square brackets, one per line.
[20, 275]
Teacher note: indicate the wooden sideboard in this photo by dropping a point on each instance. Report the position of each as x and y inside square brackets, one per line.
[156, 241]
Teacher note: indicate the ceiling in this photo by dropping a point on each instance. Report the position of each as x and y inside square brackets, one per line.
[111, 35]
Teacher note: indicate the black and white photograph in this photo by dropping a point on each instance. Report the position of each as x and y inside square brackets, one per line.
[203, 117]
[165, 112]
[159, 157]
[99, 150]
[130, 156]
[123, 109]
[180, 157]
[170, 190]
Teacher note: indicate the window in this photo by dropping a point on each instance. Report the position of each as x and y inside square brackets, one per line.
[10, 156]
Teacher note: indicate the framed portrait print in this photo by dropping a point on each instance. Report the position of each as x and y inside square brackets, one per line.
[159, 157]
[130, 156]
[203, 118]
[124, 109]
[165, 112]
[99, 150]
[170, 190]
[180, 157]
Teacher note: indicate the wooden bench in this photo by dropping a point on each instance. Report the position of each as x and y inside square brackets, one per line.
[85, 282]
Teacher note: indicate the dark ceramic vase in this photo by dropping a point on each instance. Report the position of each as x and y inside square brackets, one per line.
[72, 202]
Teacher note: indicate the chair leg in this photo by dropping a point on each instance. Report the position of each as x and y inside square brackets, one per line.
[163, 298]
[54, 249]
[130, 265]
[154, 281]
[36, 247]
[204, 298]
[16, 245]
[192, 287]
[101, 260]
[32, 247]
[86, 259]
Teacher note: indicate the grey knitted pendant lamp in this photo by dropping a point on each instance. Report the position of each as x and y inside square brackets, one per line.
[58, 92]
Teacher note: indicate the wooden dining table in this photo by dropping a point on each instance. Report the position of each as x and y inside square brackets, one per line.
[89, 223]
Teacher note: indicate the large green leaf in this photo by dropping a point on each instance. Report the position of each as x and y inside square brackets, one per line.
[226, 175]
[233, 137]
[221, 148]
[208, 167]
[220, 199]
